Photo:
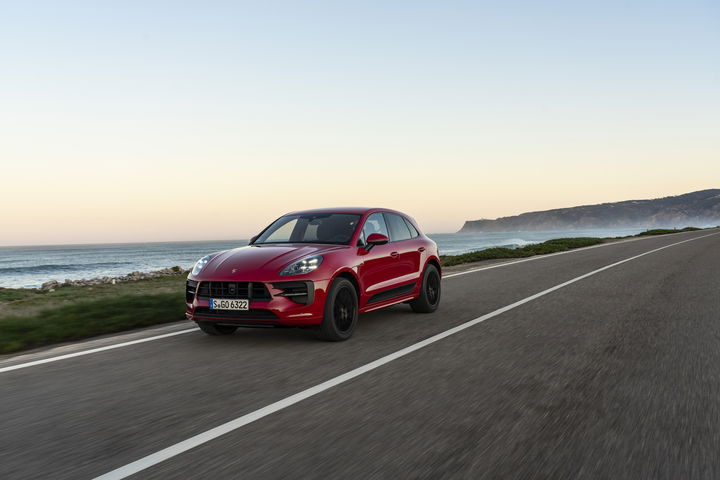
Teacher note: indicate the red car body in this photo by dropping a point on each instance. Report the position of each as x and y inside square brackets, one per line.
[382, 274]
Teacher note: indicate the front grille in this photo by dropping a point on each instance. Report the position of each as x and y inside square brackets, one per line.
[190, 289]
[253, 291]
[252, 314]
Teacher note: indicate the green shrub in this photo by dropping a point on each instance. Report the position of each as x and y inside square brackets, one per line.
[550, 246]
[665, 231]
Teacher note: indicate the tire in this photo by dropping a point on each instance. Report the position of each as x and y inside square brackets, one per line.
[430, 291]
[215, 329]
[341, 312]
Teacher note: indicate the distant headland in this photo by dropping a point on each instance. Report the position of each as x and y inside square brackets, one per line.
[701, 208]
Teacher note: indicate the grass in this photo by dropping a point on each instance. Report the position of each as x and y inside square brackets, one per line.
[551, 246]
[13, 294]
[31, 318]
[90, 318]
[665, 231]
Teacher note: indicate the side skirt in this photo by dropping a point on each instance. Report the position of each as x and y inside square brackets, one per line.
[392, 293]
[394, 301]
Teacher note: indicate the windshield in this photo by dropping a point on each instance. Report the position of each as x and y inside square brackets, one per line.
[333, 228]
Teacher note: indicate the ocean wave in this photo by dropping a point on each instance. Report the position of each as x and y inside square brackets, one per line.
[49, 268]
[515, 243]
[520, 241]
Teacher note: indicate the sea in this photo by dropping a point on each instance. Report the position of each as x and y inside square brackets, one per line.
[31, 266]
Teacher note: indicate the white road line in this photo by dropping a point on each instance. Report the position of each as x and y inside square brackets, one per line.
[93, 350]
[192, 442]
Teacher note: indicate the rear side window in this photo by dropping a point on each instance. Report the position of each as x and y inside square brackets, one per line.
[398, 228]
[413, 231]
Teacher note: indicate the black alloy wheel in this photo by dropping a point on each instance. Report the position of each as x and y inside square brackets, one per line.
[430, 290]
[341, 311]
[344, 309]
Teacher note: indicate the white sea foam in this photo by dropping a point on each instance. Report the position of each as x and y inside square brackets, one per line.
[519, 242]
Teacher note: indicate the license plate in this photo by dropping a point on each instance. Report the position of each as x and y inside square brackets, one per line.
[221, 304]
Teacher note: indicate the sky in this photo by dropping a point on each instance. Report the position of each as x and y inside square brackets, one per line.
[157, 120]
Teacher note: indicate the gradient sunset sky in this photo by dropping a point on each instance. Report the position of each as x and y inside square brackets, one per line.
[144, 121]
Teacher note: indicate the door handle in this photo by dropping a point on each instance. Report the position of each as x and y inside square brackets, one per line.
[421, 249]
[394, 254]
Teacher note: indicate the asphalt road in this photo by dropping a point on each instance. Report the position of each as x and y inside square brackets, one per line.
[614, 375]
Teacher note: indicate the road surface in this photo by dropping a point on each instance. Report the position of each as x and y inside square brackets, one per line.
[597, 363]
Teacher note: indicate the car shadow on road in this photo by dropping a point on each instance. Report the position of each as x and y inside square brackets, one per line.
[378, 322]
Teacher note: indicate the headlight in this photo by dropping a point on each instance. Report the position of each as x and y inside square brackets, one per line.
[200, 264]
[306, 265]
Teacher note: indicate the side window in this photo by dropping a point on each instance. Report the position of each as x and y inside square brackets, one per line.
[398, 228]
[413, 231]
[375, 223]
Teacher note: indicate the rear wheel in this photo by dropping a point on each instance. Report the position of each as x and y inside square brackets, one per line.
[215, 329]
[341, 312]
[429, 298]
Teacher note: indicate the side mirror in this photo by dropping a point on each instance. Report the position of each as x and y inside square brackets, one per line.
[375, 239]
[252, 240]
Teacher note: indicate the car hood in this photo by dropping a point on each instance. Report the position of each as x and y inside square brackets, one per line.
[256, 262]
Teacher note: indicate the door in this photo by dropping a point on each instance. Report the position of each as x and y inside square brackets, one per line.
[405, 246]
[378, 270]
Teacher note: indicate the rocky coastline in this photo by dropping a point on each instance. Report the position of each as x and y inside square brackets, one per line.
[130, 277]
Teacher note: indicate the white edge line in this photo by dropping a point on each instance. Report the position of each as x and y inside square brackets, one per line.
[158, 337]
[93, 350]
[204, 437]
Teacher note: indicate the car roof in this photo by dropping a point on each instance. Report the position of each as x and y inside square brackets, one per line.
[354, 210]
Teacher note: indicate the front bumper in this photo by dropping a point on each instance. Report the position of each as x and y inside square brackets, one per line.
[285, 303]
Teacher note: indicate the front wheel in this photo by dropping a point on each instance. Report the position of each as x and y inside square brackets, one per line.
[215, 329]
[341, 312]
[429, 298]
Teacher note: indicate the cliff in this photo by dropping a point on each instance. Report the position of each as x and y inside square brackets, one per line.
[701, 208]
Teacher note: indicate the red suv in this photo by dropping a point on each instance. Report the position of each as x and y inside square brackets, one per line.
[317, 268]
